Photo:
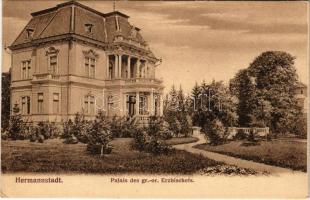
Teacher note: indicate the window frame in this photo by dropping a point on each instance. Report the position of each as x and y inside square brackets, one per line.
[40, 103]
[25, 69]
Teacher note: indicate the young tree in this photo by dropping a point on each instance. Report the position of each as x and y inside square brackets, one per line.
[16, 124]
[99, 135]
[5, 99]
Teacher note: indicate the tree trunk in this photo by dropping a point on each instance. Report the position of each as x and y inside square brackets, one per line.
[101, 152]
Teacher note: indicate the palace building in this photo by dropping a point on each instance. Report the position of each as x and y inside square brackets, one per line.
[72, 58]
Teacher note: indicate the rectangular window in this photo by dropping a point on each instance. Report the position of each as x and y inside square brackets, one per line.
[53, 64]
[40, 103]
[86, 104]
[25, 105]
[90, 67]
[55, 103]
[92, 104]
[25, 69]
[143, 105]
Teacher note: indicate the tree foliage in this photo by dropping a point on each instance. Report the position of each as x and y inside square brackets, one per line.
[265, 91]
[5, 100]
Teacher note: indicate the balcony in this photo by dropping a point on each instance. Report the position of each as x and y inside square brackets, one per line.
[143, 80]
[134, 81]
[45, 77]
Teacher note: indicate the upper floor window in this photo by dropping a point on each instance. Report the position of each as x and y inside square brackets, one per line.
[88, 28]
[90, 59]
[30, 32]
[52, 54]
[40, 103]
[90, 65]
[25, 69]
[53, 64]
[26, 105]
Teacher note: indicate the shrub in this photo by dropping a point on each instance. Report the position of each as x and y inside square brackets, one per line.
[157, 147]
[301, 127]
[4, 135]
[99, 135]
[150, 138]
[41, 138]
[71, 140]
[215, 132]
[80, 128]
[140, 138]
[16, 126]
[241, 135]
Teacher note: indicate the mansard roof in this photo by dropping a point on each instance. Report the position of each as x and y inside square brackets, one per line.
[72, 18]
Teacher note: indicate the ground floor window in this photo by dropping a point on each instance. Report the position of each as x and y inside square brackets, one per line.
[143, 105]
[40, 103]
[26, 105]
[89, 104]
[56, 103]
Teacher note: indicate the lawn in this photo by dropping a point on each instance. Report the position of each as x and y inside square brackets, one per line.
[181, 140]
[54, 156]
[288, 154]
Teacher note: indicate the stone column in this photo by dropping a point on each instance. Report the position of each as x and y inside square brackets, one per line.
[128, 67]
[120, 65]
[108, 67]
[146, 69]
[161, 105]
[138, 68]
[137, 103]
[152, 103]
[115, 66]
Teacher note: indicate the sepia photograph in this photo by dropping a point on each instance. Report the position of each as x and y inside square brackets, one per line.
[154, 99]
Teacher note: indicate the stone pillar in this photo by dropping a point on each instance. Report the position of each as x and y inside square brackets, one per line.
[152, 103]
[146, 69]
[120, 65]
[115, 67]
[138, 68]
[137, 103]
[161, 105]
[108, 67]
[128, 67]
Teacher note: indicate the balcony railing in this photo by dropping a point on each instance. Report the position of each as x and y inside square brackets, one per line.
[46, 76]
[143, 80]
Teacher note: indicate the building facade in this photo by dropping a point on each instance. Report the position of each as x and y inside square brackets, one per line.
[72, 58]
[301, 93]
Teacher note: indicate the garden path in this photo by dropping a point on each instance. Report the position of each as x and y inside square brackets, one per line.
[232, 160]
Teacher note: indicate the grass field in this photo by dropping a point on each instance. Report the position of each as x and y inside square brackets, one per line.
[288, 154]
[54, 156]
[181, 140]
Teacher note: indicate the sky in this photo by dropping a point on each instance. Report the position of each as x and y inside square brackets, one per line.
[197, 40]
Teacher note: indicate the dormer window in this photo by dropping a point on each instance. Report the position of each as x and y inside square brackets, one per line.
[89, 28]
[29, 32]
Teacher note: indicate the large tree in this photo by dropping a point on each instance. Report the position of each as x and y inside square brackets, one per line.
[5, 99]
[266, 90]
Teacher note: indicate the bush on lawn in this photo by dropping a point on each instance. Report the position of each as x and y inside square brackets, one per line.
[4, 134]
[18, 128]
[301, 128]
[150, 139]
[123, 127]
[140, 138]
[215, 132]
[241, 135]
